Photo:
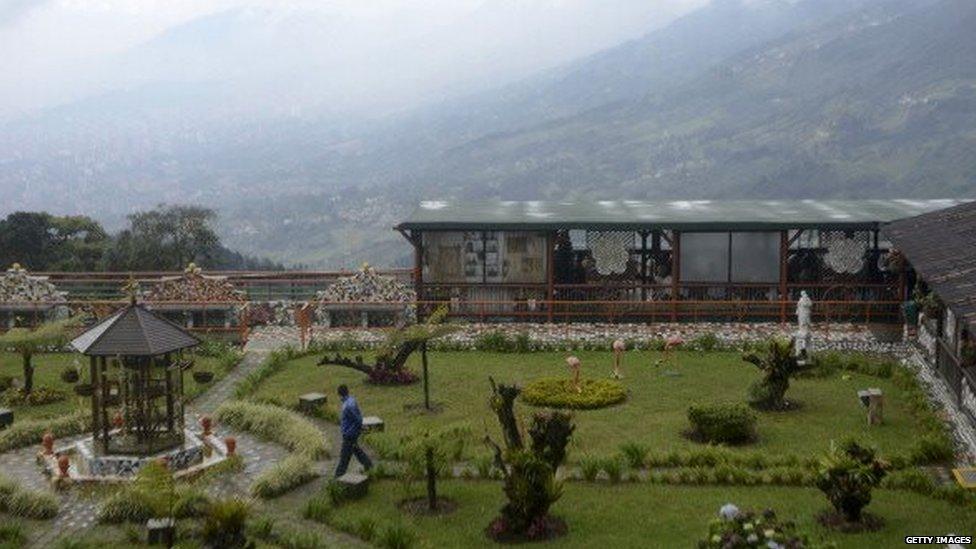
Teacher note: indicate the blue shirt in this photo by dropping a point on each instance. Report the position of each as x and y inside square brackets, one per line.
[352, 419]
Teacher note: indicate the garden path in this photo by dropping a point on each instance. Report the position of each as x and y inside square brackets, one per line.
[78, 508]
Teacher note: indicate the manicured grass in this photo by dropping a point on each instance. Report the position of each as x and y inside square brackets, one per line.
[47, 373]
[654, 414]
[641, 515]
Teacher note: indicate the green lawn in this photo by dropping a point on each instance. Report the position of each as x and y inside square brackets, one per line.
[654, 412]
[641, 515]
[47, 373]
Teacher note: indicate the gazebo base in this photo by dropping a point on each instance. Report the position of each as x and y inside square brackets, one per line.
[88, 465]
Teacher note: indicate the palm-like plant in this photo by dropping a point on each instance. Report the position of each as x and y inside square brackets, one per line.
[27, 342]
[776, 360]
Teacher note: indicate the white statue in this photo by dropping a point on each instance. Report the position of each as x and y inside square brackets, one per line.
[804, 312]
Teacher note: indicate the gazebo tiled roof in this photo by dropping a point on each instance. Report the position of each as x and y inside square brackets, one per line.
[134, 331]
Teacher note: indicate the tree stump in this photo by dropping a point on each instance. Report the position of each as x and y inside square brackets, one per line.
[161, 532]
[354, 485]
[311, 403]
[6, 418]
[372, 424]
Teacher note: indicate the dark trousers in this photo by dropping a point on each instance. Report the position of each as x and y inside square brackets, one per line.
[350, 447]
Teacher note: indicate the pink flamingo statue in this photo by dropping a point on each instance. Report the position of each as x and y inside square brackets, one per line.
[574, 365]
[619, 346]
[670, 344]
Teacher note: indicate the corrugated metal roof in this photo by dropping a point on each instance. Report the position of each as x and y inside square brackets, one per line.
[134, 331]
[941, 246]
[681, 215]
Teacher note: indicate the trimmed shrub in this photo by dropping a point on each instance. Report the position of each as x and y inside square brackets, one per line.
[284, 476]
[275, 424]
[12, 535]
[225, 524]
[319, 508]
[27, 433]
[37, 397]
[932, 447]
[561, 393]
[722, 423]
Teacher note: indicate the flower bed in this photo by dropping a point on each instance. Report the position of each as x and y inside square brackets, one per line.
[562, 393]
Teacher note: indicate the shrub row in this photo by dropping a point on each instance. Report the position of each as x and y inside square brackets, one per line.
[562, 393]
[284, 476]
[275, 424]
[24, 503]
[393, 535]
[26, 433]
[227, 354]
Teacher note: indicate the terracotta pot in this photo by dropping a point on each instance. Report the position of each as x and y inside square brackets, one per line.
[117, 420]
[47, 441]
[64, 463]
[206, 422]
[231, 444]
[164, 461]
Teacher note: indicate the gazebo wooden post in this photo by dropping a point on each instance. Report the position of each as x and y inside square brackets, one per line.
[104, 386]
[169, 392]
[93, 374]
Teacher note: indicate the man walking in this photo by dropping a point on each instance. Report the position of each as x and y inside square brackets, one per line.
[351, 425]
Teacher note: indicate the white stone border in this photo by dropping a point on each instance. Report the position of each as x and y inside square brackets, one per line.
[963, 430]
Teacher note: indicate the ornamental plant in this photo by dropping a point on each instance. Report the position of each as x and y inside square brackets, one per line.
[735, 529]
[529, 470]
[722, 423]
[776, 361]
[847, 475]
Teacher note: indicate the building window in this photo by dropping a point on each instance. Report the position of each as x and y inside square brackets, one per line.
[746, 257]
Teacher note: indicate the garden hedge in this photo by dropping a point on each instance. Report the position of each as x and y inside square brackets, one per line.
[562, 393]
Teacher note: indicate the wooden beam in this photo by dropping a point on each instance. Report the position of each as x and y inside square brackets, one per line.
[784, 251]
[675, 273]
[550, 273]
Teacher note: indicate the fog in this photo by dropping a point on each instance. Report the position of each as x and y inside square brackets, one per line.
[343, 56]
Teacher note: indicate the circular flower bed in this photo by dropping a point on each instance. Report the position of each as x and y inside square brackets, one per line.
[562, 393]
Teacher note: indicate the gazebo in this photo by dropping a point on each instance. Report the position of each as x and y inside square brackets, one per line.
[137, 391]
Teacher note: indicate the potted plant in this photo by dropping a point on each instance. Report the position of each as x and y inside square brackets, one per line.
[203, 376]
[70, 375]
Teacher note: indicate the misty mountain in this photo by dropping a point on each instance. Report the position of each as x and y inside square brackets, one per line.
[741, 98]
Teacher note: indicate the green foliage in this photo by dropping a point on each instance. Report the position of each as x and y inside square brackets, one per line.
[276, 361]
[225, 524]
[261, 528]
[319, 507]
[562, 393]
[497, 341]
[706, 342]
[30, 504]
[30, 341]
[933, 447]
[37, 397]
[614, 468]
[828, 363]
[635, 454]
[777, 363]
[227, 354]
[747, 530]
[284, 476]
[26, 433]
[722, 423]
[12, 535]
[280, 425]
[397, 536]
[45, 242]
[847, 475]
[590, 467]
[152, 494]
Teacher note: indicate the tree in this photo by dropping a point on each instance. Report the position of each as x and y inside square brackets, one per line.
[45, 242]
[390, 367]
[778, 364]
[166, 238]
[27, 342]
[530, 473]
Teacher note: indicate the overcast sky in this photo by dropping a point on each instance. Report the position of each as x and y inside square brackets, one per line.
[344, 53]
